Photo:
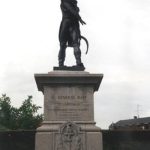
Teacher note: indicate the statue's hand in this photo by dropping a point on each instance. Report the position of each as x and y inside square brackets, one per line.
[82, 22]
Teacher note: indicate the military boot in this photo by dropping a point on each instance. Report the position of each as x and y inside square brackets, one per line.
[77, 54]
[61, 55]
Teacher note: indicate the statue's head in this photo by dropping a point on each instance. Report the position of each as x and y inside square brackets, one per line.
[69, 0]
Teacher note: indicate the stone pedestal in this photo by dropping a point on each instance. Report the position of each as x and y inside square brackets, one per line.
[68, 111]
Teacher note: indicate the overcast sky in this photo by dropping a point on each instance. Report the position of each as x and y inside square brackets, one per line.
[119, 35]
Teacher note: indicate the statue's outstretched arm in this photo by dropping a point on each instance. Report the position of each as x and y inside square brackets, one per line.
[72, 10]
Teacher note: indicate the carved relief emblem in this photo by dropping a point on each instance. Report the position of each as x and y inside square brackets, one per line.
[69, 137]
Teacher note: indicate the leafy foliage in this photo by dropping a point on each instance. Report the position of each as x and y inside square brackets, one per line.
[25, 117]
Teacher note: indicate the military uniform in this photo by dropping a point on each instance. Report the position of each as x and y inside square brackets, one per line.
[69, 32]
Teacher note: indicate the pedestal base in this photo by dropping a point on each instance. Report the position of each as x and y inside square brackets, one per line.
[68, 111]
[68, 136]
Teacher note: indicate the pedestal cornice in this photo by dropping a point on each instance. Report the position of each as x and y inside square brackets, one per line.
[57, 78]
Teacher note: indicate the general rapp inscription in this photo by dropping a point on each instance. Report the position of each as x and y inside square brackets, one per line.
[69, 106]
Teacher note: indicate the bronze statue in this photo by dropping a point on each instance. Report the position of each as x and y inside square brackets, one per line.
[69, 32]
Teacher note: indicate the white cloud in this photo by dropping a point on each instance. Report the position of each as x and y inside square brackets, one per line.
[118, 33]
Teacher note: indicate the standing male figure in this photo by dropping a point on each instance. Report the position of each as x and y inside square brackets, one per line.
[69, 33]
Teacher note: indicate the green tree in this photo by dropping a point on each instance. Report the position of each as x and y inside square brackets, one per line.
[25, 117]
[28, 117]
[5, 111]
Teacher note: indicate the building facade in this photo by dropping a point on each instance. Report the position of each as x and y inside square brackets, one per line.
[132, 124]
